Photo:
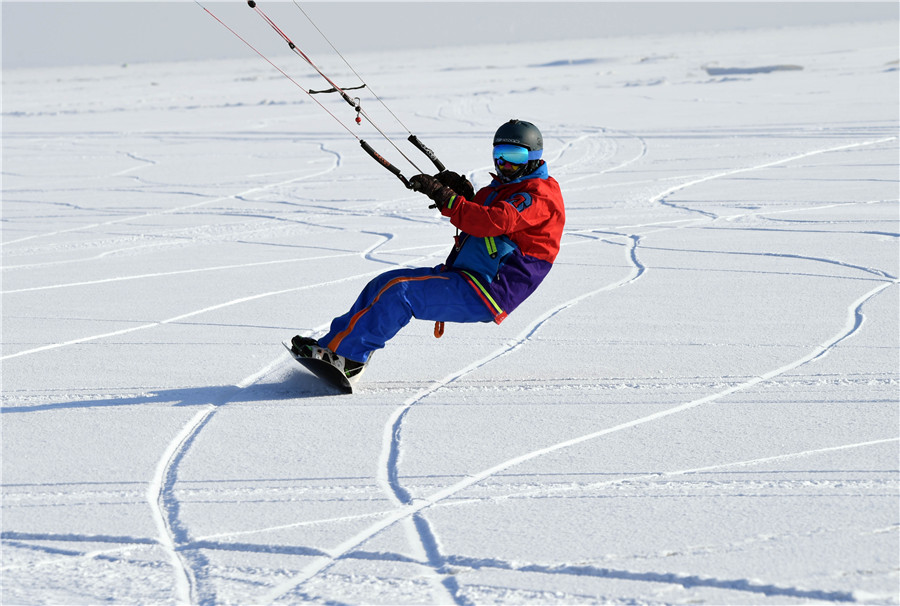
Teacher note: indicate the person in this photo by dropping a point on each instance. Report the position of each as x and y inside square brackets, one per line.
[508, 236]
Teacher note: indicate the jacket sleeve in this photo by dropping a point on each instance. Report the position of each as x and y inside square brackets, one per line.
[520, 211]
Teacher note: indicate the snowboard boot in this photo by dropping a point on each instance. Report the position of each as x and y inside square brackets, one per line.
[307, 347]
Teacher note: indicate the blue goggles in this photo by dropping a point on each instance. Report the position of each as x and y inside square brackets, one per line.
[514, 154]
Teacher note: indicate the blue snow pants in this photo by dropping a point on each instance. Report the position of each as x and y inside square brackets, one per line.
[391, 300]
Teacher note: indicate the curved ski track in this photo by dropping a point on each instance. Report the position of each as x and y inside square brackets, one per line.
[336, 164]
[413, 508]
[186, 558]
[187, 563]
[409, 508]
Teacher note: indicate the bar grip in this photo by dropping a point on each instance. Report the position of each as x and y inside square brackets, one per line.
[383, 161]
[431, 156]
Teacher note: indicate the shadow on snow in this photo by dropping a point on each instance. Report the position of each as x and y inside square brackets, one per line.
[299, 384]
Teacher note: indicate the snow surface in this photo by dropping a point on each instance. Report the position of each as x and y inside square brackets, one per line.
[698, 406]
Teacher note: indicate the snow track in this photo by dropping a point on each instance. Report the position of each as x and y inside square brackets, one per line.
[163, 507]
[389, 461]
[662, 197]
[699, 404]
[412, 508]
[188, 563]
[177, 210]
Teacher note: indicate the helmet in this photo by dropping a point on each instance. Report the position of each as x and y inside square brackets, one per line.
[523, 134]
[519, 132]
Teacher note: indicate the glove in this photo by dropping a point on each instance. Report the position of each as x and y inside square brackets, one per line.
[457, 183]
[434, 189]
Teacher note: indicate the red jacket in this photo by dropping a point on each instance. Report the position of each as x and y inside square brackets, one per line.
[511, 235]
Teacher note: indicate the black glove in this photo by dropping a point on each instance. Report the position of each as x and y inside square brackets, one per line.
[457, 183]
[432, 188]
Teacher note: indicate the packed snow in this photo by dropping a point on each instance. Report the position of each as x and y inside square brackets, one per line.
[699, 405]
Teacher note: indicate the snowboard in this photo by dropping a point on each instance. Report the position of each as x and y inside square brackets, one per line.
[323, 370]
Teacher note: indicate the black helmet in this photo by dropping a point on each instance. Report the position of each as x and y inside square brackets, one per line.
[519, 132]
[522, 134]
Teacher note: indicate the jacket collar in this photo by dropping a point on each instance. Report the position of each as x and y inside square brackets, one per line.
[541, 172]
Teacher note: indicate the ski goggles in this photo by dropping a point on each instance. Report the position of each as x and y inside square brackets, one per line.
[514, 154]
